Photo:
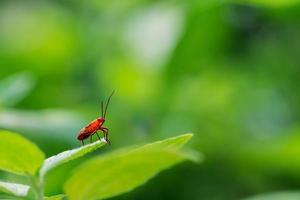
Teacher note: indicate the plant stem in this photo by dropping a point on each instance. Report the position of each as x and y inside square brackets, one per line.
[37, 188]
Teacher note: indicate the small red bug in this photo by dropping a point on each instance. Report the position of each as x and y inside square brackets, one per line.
[95, 125]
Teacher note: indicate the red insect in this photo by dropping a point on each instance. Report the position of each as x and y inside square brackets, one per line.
[95, 125]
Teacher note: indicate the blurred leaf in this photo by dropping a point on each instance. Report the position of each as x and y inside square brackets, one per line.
[50, 123]
[14, 188]
[271, 3]
[56, 197]
[69, 155]
[14, 88]
[123, 170]
[287, 195]
[18, 155]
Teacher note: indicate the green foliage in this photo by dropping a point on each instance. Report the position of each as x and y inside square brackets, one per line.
[171, 143]
[287, 195]
[121, 170]
[67, 156]
[14, 88]
[271, 3]
[14, 189]
[18, 155]
[118, 173]
[227, 70]
[56, 197]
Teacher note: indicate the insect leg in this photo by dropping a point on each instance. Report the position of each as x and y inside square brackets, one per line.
[82, 142]
[105, 131]
[91, 138]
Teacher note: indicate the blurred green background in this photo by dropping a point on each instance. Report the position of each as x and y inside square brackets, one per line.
[227, 71]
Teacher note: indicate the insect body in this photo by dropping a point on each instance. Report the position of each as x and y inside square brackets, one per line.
[89, 130]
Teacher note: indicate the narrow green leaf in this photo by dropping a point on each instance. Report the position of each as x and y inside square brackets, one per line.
[270, 3]
[286, 195]
[14, 189]
[18, 155]
[123, 170]
[14, 88]
[56, 197]
[69, 155]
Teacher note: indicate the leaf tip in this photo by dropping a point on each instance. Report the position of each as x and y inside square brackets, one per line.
[188, 135]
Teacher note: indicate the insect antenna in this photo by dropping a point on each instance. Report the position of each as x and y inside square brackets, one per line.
[108, 103]
[101, 108]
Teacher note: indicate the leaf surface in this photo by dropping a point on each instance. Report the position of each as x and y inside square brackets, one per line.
[270, 3]
[14, 189]
[286, 195]
[14, 88]
[56, 197]
[125, 169]
[18, 155]
[69, 155]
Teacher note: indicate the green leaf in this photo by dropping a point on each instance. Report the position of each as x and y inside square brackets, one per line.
[14, 88]
[56, 197]
[14, 189]
[124, 170]
[69, 155]
[270, 3]
[18, 155]
[171, 143]
[286, 195]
